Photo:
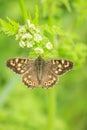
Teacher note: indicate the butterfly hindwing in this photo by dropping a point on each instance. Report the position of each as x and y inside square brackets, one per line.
[19, 65]
[48, 78]
[30, 78]
[60, 66]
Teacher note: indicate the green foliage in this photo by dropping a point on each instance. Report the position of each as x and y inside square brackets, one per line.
[35, 21]
[63, 42]
[67, 4]
[9, 28]
[63, 107]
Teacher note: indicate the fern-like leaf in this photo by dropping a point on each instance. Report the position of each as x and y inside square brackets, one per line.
[10, 27]
[35, 21]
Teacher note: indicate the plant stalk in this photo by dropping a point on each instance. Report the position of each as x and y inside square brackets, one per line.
[51, 108]
[23, 10]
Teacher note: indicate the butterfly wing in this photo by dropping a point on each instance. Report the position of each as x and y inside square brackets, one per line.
[60, 66]
[30, 78]
[26, 67]
[19, 65]
[48, 77]
[52, 68]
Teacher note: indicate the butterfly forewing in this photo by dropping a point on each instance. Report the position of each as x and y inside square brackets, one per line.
[19, 65]
[60, 66]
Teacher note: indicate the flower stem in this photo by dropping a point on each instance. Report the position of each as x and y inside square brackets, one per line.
[51, 109]
[23, 9]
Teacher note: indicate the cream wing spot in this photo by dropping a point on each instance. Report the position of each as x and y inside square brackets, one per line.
[52, 81]
[66, 65]
[49, 82]
[29, 82]
[53, 62]
[60, 70]
[29, 76]
[18, 68]
[56, 71]
[16, 60]
[60, 66]
[57, 62]
[19, 65]
[49, 76]
[22, 61]
[25, 61]
[62, 61]
[54, 78]
[22, 71]
[25, 79]
[12, 63]
[45, 83]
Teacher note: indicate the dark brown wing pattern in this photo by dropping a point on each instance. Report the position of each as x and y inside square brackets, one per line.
[48, 77]
[19, 65]
[60, 66]
[26, 67]
[53, 68]
[48, 72]
[30, 78]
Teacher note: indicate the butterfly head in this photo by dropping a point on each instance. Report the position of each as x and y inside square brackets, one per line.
[39, 57]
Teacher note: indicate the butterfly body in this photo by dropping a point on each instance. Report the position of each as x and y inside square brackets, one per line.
[39, 65]
[39, 71]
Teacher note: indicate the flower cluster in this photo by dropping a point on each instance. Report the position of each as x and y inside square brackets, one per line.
[30, 36]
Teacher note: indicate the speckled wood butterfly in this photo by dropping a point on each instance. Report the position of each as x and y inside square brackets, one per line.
[44, 72]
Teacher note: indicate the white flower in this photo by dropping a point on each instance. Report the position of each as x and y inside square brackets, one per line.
[49, 46]
[22, 29]
[37, 30]
[37, 37]
[26, 36]
[28, 22]
[29, 44]
[22, 44]
[39, 50]
[30, 25]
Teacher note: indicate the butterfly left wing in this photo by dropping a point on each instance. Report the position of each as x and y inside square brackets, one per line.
[30, 78]
[26, 67]
[61, 66]
[19, 65]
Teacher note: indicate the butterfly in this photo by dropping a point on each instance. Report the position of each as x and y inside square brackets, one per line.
[39, 71]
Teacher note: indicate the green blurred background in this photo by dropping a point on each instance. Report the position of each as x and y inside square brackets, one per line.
[64, 107]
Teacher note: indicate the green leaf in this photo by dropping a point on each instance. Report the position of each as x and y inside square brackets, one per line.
[53, 30]
[67, 4]
[10, 27]
[35, 21]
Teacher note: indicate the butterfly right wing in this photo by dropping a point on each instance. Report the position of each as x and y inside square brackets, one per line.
[61, 66]
[52, 69]
[48, 78]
